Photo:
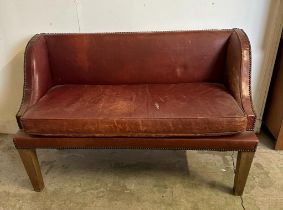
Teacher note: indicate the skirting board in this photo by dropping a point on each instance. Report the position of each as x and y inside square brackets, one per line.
[8, 126]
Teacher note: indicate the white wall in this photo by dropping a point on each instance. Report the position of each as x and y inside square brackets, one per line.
[19, 20]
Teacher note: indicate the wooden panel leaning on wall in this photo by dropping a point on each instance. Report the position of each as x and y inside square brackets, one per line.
[273, 117]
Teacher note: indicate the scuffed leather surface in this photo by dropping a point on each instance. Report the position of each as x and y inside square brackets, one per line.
[137, 58]
[246, 141]
[184, 109]
[238, 73]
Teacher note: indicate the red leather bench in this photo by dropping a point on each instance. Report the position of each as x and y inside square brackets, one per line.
[146, 90]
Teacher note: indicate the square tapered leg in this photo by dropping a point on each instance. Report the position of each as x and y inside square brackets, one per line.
[244, 161]
[30, 161]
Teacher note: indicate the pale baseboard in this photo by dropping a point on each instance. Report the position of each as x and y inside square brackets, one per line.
[258, 125]
[8, 126]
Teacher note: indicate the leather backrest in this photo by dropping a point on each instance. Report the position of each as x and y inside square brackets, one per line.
[133, 58]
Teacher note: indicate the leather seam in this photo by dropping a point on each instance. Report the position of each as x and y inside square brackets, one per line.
[141, 32]
[144, 148]
[152, 119]
[240, 82]
[224, 133]
[250, 68]
[25, 96]
[249, 73]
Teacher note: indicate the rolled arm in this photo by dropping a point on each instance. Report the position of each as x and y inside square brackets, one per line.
[238, 73]
[37, 75]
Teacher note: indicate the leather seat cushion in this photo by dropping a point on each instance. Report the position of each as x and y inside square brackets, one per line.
[185, 109]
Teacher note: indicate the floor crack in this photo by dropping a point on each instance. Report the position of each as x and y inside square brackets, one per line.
[242, 202]
[233, 161]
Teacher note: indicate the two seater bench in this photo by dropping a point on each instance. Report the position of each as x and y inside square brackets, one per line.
[144, 90]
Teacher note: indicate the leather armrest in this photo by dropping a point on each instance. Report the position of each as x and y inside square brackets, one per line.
[238, 73]
[37, 75]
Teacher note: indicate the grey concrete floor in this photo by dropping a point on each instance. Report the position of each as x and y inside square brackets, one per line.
[141, 179]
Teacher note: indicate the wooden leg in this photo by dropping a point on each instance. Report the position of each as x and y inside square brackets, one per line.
[279, 140]
[244, 161]
[30, 161]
